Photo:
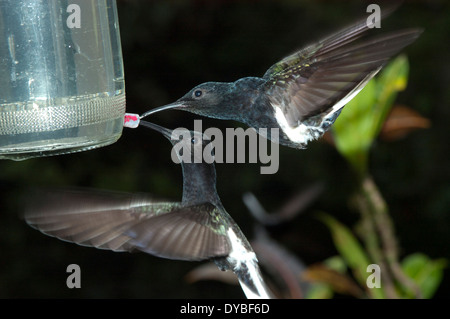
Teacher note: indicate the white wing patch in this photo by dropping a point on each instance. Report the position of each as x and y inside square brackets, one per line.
[302, 133]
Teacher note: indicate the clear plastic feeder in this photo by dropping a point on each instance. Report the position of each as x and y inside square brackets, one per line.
[62, 86]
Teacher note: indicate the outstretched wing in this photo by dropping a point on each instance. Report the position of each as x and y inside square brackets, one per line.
[188, 233]
[127, 222]
[323, 77]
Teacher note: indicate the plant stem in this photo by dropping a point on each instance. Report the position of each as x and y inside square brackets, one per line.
[378, 210]
[370, 238]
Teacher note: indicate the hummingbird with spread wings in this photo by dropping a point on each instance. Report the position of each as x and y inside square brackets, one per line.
[197, 228]
[303, 94]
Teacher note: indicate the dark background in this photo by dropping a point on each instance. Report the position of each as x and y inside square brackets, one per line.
[170, 47]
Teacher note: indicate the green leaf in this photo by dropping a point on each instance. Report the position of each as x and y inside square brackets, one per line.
[362, 118]
[336, 263]
[320, 290]
[353, 129]
[392, 80]
[351, 251]
[425, 272]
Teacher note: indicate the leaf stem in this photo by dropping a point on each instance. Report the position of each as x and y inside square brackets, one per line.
[371, 202]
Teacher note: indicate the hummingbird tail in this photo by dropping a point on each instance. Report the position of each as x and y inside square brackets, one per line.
[251, 281]
[243, 262]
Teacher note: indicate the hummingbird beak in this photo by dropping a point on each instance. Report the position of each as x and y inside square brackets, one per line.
[164, 131]
[162, 108]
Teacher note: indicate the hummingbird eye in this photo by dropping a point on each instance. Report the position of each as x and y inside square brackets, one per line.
[198, 93]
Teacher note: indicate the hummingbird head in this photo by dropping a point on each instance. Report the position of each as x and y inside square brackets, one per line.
[188, 146]
[209, 98]
[205, 95]
[196, 154]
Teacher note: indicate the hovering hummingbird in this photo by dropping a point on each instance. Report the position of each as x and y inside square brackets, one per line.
[304, 93]
[197, 228]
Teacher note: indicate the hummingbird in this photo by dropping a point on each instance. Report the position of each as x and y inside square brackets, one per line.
[303, 94]
[197, 228]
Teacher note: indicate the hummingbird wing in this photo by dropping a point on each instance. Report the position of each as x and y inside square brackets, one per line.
[323, 77]
[189, 233]
[127, 222]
